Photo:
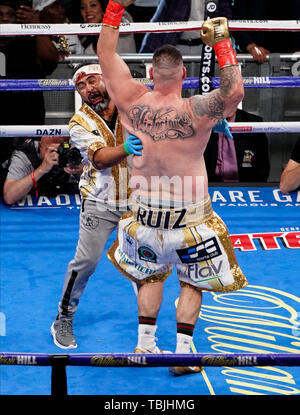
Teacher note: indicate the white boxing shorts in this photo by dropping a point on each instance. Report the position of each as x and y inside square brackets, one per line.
[192, 238]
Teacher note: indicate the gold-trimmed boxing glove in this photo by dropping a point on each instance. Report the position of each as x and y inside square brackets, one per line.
[215, 33]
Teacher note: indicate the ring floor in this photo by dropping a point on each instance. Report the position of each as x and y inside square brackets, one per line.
[38, 239]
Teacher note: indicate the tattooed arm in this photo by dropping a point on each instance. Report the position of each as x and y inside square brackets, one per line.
[222, 102]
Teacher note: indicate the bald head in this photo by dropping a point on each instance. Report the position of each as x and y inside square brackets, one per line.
[46, 140]
[51, 142]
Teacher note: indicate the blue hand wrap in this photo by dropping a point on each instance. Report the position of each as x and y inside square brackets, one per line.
[223, 127]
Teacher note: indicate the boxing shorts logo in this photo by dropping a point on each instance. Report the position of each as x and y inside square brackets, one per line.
[146, 254]
[203, 251]
[206, 273]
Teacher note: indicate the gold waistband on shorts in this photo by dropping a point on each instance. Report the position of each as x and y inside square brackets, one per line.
[172, 218]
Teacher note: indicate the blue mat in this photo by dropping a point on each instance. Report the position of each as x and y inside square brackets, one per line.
[38, 239]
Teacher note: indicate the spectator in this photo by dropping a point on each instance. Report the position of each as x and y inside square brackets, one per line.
[142, 11]
[245, 158]
[290, 177]
[96, 130]
[188, 42]
[37, 168]
[92, 12]
[25, 57]
[260, 43]
[67, 4]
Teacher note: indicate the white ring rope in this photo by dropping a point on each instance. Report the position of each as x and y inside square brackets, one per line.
[80, 28]
[63, 130]
[26, 29]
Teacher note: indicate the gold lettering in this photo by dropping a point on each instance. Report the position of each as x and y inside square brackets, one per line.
[107, 361]
[218, 361]
[52, 82]
[7, 360]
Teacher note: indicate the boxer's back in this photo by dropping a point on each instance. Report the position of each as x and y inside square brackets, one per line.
[172, 164]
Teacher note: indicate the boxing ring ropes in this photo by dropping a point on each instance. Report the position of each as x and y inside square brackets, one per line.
[59, 362]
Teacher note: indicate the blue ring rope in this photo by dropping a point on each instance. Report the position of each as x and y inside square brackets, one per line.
[67, 84]
[153, 360]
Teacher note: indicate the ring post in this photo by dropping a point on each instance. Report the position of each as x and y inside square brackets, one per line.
[59, 386]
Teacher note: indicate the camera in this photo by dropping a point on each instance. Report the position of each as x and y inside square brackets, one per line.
[68, 154]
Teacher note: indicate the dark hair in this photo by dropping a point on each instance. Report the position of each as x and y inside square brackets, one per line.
[167, 53]
[75, 15]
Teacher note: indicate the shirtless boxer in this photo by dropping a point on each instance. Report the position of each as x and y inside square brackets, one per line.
[172, 222]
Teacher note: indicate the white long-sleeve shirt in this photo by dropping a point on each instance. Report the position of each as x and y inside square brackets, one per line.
[88, 132]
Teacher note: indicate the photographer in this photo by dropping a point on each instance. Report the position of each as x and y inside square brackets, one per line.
[46, 167]
[22, 57]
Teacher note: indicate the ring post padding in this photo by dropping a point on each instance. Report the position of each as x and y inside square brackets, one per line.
[59, 386]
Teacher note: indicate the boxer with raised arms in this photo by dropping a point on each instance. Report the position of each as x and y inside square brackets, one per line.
[172, 222]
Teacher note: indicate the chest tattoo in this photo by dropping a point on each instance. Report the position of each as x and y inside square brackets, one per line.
[164, 123]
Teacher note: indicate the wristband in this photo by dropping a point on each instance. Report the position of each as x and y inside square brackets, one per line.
[113, 14]
[225, 53]
[34, 183]
[126, 149]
